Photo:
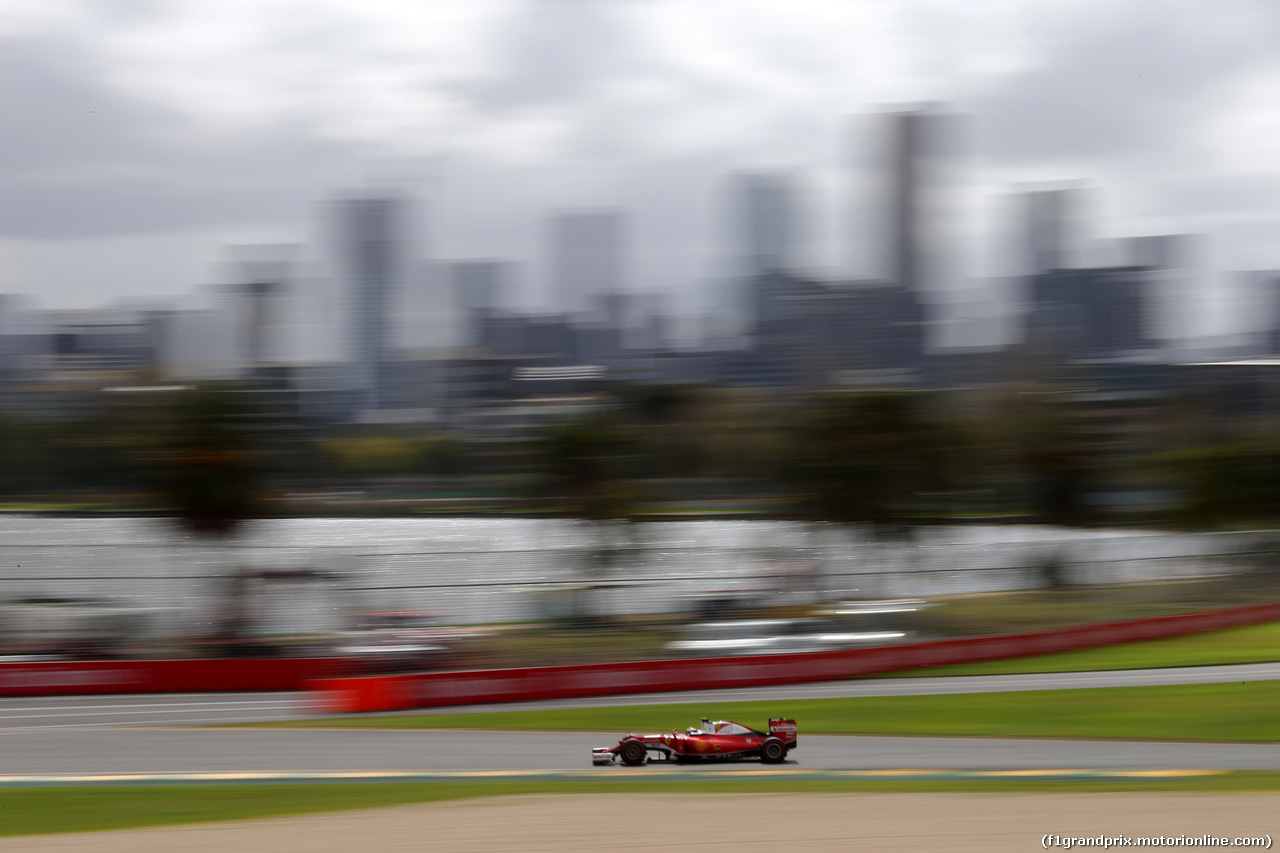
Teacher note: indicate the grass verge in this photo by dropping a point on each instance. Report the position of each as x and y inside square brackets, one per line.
[42, 811]
[1238, 711]
[1252, 644]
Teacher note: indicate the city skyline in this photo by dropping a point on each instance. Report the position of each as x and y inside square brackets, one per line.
[151, 135]
[586, 254]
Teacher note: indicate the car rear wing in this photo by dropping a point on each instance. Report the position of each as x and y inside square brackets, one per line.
[784, 729]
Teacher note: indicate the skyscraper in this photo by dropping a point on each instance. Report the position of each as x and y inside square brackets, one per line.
[478, 288]
[1093, 312]
[255, 303]
[761, 215]
[906, 141]
[917, 142]
[372, 256]
[478, 285]
[1052, 226]
[9, 349]
[765, 221]
[586, 260]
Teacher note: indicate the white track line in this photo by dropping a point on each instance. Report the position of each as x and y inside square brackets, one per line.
[245, 704]
[177, 726]
[101, 714]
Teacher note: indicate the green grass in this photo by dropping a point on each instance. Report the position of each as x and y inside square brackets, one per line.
[39, 811]
[1038, 610]
[28, 811]
[1203, 712]
[1253, 644]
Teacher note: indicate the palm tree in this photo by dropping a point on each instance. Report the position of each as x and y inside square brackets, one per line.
[207, 468]
[866, 457]
[866, 460]
[586, 462]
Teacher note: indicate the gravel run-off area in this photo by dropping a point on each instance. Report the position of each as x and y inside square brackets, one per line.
[703, 822]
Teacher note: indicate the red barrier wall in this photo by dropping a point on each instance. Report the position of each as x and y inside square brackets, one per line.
[375, 693]
[424, 690]
[161, 676]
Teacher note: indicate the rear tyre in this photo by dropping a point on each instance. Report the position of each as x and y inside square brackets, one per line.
[632, 753]
[774, 751]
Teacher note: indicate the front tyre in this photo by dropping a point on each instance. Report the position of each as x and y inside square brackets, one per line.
[633, 753]
[774, 751]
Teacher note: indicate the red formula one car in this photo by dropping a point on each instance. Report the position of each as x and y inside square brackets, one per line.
[719, 740]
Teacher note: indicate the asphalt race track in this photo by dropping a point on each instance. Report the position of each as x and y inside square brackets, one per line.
[141, 734]
[28, 714]
[230, 750]
[32, 713]
[917, 687]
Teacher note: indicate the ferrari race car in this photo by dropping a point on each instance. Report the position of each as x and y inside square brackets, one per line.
[719, 740]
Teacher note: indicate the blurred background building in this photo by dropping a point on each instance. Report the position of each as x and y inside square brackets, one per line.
[387, 340]
[371, 242]
[587, 257]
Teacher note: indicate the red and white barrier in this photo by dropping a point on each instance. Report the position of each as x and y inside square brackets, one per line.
[425, 690]
[332, 693]
[162, 676]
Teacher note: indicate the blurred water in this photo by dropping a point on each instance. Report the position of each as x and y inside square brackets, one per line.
[495, 570]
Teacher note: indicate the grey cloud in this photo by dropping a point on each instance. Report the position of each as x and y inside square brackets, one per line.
[82, 160]
[555, 51]
[129, 11]
[105, 206]
[1142, 78]
[59, 116]
[1207, 195]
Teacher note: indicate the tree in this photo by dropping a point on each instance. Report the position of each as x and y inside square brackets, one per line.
[1228, 483]
[25, 451]
[208, 473]
[866, 458]
[1032, 446]
[586, 462]
[208, 468]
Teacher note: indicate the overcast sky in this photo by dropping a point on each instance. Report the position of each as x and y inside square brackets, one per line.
[139, 137]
